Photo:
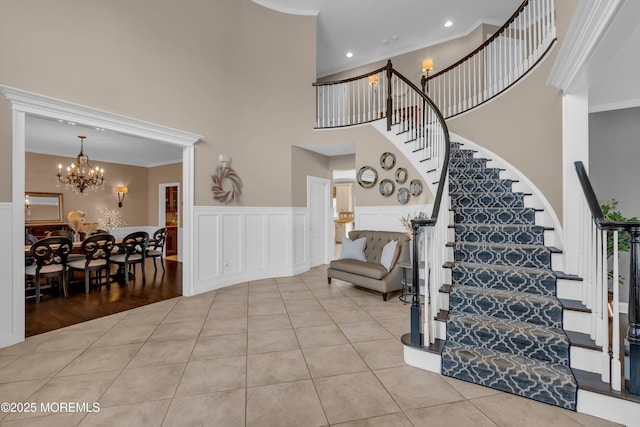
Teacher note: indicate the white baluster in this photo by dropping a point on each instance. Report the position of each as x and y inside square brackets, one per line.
[616, 366]
[604, 313]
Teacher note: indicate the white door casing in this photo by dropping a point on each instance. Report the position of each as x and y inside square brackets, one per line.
[318, 196]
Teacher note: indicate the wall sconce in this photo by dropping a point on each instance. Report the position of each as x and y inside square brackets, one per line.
[373, 80]
[122, 191]
[427, 65]
[27, 206]
[225, 160]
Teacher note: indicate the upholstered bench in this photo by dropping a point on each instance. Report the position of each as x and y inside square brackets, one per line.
[366, 269]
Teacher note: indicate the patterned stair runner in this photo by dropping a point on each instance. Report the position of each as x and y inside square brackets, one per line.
[504, 328]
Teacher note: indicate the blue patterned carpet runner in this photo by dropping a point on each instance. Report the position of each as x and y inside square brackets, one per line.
[504, 328]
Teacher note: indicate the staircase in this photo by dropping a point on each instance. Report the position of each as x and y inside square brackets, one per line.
[504, 326]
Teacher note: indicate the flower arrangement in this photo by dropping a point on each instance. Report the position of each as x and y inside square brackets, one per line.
[406, 222]
[110, 219]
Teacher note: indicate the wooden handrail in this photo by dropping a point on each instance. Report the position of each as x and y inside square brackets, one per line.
[351, 79]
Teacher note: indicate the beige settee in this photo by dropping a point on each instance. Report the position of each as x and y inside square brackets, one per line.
[370, 273]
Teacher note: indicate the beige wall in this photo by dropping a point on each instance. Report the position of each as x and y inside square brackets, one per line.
[344, 162]
[188, 67]
[161, 175]
[306, 163]
[40, 177]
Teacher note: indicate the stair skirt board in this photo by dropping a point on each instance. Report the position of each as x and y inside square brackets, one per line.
[504, 328]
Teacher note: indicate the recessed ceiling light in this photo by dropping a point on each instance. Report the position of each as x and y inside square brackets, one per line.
[448, 24]
[349, 54]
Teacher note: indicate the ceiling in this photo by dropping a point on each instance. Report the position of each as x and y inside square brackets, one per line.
[60, 138]
[374, 29]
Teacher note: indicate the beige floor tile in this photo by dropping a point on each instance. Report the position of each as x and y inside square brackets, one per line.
[333, 360]
[86, 388]
[277, 367]
[200, 300]
[451, 414]
[393, 420]
[319, 336]
[270, 341]
[310, 318]
[232, 298]
[99, 325]
[259, 308]
[225, 408]
[337, 302]
[264, 296]
[223, 326]
[207, 376]
[348, 314]
[353, 397]
[389, 310]
[298, 294]
[123, 334]
[262, 283]
[59, 420]
[5, 360]
[99, 359]
[397, 326]
[165, 305]
[147, 317]
[302, 305]
[282, 405]
[414, 388]
[504, 408]
[156, 353]
[220, 346]
[19, 391]
[364, 331]
[588, 420]
[187, 314]
[176, 331]
[469, 390]
[293, 281]
[37, 365]
[381, 354]
[143, 384]
[29, 345]
[70, 340]
[268, 322]
[138, 414]
[226, 310]
[327, 292]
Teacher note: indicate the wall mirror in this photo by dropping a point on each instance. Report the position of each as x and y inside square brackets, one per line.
[387, 187]
[42, 208]
[387, 161]
[415, 187]
[401, 175]
[367, 177]
[403, 196]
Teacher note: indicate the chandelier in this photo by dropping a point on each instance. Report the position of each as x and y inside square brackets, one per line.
[81, 175]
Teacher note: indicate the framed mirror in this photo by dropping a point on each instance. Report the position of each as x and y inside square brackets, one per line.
[367, 177]
[415, 187]
[43, 208]
[387, 187]
[387, 161]
[403, 196]
[401, 175]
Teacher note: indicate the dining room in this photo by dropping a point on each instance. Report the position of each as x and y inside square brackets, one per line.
[82, 182]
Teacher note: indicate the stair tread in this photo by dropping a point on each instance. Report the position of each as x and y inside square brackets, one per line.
[505, 246]
[578, 339]
[574, 305]
[504, 268]
[506, 293]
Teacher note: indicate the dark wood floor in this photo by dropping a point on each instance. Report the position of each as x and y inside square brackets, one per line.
[55, 311]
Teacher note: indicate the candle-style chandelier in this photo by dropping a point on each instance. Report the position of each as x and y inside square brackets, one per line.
[81, 175]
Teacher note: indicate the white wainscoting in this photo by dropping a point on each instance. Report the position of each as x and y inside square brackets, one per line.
[10, 333]
[386, 218]
[237, 244]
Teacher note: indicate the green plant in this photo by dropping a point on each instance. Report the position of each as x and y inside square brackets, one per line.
[406, 222]
[610, 212]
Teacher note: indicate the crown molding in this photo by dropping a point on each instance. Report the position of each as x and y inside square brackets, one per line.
[41, 105]
[587, 28]
[631, 103]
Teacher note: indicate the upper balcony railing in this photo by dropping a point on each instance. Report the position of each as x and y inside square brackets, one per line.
[507, 56]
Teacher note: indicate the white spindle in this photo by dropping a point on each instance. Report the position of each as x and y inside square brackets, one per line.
[616, 366]
[604, 314]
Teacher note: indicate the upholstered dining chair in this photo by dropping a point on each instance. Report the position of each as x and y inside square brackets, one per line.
[156, 247]
[97, 253]
[69, 234]
[50, 255]
[133, 251]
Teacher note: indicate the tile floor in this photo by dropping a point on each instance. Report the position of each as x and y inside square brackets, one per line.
[279, 352]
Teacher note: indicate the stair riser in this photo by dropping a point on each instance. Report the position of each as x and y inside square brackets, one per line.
[586, 359]
[576, 321]
[569, 289]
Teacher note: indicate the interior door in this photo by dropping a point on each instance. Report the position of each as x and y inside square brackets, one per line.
[317, 201]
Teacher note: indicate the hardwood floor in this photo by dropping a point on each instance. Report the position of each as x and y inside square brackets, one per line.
[54, 311]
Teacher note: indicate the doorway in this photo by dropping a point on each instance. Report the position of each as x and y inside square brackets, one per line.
[169, 214]
[320, 209]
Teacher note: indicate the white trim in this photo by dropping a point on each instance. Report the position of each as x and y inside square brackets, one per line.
[587, 28]
[287, 10]
[328, 216]
[23, 103]
[610, 408]
[386, 218]
[632, 103]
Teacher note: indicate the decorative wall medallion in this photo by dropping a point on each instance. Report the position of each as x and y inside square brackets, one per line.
[416, 187]
[226, 175]
[401, 175]
[387, 161]
[403, 196]
[387, 187]
[367, 177]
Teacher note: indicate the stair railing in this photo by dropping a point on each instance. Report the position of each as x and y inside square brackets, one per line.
[501, 61]
[386, 94]
[595, 274]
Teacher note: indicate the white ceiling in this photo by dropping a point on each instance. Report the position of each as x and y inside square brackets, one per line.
[377, 29]
[48, 136]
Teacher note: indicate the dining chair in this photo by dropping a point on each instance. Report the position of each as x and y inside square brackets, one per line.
[156, 247]
[50, 255]
[133, 251]
[97, 253]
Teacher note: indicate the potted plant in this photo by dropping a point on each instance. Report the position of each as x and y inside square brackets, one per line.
[610, 212]
[406, 224]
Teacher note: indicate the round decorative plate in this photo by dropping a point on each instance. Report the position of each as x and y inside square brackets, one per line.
[403, 196]
[416, 187]
[387, 161]
[387, 187]
[367, 177]
[401, 175]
